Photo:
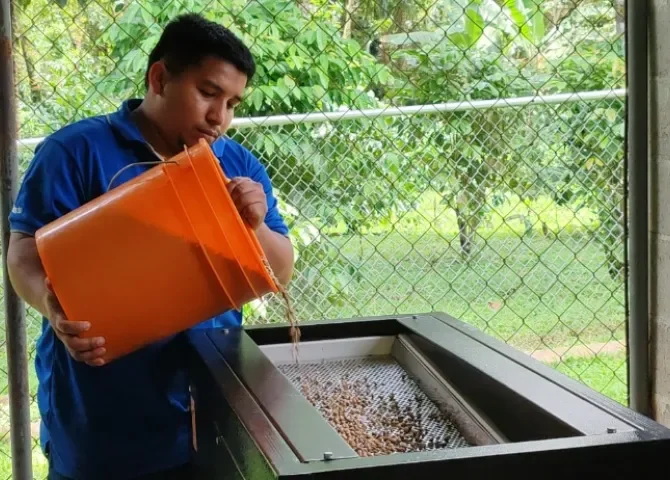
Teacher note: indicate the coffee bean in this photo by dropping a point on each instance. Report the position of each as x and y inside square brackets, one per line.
[372, 421]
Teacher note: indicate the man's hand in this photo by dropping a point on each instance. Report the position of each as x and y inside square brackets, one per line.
[29, 280]
[88, 350]
[249, 198]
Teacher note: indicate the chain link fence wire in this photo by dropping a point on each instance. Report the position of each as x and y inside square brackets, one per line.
[470, 159]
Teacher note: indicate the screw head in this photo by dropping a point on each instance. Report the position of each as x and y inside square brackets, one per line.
[611, 430]
[415, 317]
[327, 455]
[226, 331]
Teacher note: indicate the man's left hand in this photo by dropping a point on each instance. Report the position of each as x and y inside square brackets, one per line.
[250, 200]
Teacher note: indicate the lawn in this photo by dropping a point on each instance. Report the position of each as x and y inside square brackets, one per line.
[606, 373]
[534, 289]
[532, 293]
[40, 465]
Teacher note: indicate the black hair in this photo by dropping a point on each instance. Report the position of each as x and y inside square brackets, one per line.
[190, 38]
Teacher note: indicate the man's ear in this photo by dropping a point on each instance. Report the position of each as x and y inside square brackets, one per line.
[157, 77]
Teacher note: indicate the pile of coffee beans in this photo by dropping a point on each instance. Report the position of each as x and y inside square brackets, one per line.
[375, 423]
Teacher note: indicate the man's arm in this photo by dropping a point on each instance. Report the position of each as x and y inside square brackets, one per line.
[51, 187]
[26, 272]
[252, 192]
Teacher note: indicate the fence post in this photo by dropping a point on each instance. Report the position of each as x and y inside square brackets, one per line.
[638, 205]
[15, 319]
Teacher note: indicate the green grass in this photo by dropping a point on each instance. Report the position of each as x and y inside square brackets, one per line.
[605, 373]
[533, 293]
[40, 465]
[535, 289]
[507, 217]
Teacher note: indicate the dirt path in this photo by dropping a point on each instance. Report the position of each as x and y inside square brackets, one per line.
[551, 355]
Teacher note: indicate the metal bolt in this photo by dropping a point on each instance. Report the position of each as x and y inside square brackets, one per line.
[327, 455]
[611, 430]
[226, 331]
[415, 317]
[218, 440]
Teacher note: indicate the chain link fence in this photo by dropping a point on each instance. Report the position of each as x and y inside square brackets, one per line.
[465, 156]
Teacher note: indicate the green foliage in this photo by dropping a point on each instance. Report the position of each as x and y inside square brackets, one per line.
[365, 174]
[302, 66]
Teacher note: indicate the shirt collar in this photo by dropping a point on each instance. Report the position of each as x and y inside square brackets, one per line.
[219, 145]
[122, 121]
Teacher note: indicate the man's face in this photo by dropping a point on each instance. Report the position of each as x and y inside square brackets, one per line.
[200, 102]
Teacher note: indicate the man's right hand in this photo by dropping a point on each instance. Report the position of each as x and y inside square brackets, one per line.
[87, 350]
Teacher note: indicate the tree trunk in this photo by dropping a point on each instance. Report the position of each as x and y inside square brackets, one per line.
[349, 9]
[21, 42]
[401, 13]
[308, 9]
[560, 12]
[620, 7]
[35, 91]
[463, 234]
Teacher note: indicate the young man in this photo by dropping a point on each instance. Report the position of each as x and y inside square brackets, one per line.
[131, 418]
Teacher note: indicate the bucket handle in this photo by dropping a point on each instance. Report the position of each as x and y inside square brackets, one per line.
[134, 164]
[188, 219]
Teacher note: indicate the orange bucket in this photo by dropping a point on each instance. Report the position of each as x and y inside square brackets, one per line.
[156, 255]
[242, 237]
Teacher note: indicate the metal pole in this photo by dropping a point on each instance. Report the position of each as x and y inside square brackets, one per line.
[638, 205]
[15, 320]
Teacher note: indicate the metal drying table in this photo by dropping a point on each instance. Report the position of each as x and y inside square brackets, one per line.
[423, 396]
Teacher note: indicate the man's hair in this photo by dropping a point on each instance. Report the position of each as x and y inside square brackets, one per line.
[189, 39]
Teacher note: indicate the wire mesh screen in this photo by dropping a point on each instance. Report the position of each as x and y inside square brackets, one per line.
[472, 158]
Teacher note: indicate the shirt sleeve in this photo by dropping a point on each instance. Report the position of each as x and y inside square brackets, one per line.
[258, 173]
[52, 186]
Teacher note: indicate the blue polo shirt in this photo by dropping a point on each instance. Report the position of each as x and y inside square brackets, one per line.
[130, 417]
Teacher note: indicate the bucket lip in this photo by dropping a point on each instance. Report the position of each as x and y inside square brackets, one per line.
[101, 199]
[248, 232]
